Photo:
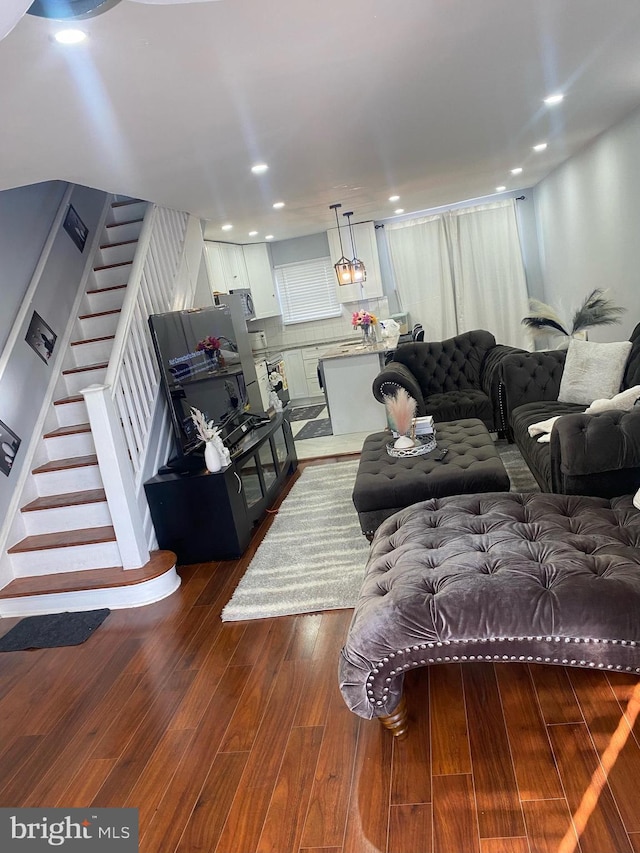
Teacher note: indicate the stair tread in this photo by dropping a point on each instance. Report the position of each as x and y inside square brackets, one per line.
[105, 289]
[68, 430]
[64, 539]
[64, 464]
[74, 398]
[121, 243]
[92, 340]
[99, 314]
[128, 222]
[90, 496]
[112, 266]
[159, 563]
[98, 366]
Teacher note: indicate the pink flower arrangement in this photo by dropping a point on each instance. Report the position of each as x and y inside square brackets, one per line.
[363, 318]
[209, 344]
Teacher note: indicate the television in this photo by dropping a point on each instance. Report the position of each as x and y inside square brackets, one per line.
[200, 366]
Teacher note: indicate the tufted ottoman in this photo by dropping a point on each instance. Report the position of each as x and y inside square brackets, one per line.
[385, 484]
[502, 577]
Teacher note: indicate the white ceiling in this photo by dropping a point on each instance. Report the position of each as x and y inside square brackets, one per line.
[347, 101]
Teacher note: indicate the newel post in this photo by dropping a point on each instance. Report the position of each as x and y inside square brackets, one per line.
[117, 476]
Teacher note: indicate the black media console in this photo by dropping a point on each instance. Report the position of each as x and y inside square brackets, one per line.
[202, 516]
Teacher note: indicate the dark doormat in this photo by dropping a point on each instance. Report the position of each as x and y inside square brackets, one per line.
[305, 413]
[52, 629]
[315, 429]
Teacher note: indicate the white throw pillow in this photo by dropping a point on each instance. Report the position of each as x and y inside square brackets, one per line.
[593, 371]
[625, 401]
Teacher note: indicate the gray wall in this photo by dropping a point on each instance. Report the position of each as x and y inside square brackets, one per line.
[26, 377]
[26, 215]
[299, 249]
[588, 217]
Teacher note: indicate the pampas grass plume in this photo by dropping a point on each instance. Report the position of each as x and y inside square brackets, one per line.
[401, 410]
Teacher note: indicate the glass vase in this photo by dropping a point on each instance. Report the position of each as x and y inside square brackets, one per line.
[367, 337]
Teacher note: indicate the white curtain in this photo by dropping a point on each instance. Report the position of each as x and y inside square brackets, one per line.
[422, 271]
[488, 272]
[462, 270]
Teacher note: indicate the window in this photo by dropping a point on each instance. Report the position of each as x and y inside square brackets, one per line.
[307, 291]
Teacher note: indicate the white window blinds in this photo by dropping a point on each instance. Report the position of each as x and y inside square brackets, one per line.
[307, 291]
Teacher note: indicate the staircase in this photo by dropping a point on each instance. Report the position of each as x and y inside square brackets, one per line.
[69, 558]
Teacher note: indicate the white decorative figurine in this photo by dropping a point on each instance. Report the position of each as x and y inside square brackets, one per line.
[215, 453]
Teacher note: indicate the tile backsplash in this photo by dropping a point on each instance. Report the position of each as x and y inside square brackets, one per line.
[317, 332]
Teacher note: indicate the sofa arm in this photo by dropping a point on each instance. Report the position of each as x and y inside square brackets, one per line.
[393, 376]
[584, 444]
[531, 377]
[490, 380]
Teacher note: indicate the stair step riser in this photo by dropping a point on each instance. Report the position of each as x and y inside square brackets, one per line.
[120, 233]
[127, 212]
[92, 352]
[112, 275]
[68, 480]
[73, 559]
[75, 382]
[116, 254]
[67, 518]
[72, 414]
[97, 327]
[67, 446]
[106, 300]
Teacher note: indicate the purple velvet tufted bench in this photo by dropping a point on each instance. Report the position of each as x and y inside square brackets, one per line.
[542, 578]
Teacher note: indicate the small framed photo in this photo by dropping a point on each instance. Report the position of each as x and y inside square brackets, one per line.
[75, 228]
[9, 444]
[41, 337]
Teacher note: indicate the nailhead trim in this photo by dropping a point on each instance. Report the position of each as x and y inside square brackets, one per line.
[380, 666]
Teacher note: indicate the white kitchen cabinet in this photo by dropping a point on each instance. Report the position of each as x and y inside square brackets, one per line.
[226, 266]
[261, 282]
[294, 369]
[310, 356]
[364, 234]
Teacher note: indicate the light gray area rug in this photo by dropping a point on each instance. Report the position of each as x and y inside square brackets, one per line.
[314, 554]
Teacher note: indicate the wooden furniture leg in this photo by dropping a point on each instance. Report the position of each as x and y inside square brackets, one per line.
[397, 722]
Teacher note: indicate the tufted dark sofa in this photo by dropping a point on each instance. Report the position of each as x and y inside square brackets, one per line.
[541, 578]
[595, 454]
[452, 380]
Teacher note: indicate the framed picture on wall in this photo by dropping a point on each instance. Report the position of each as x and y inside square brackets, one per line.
[75, 228]
[41, 337]
[9, 444]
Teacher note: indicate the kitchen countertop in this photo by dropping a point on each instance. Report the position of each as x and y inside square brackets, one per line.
[352, 348]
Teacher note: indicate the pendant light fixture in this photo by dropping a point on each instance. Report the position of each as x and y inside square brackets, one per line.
[358, 271]
[343, 266]
[348, 271]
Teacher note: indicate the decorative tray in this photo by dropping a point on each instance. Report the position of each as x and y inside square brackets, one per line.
[426, 444]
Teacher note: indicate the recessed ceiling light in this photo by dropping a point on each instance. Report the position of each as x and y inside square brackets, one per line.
[399, 210]
[278, 205]
[227, 227]
[517, 170]
[394, 198]
[268, 237]
[500, 189]
[259, 168]
[540, 146]
[70, 36]
[252, 233]
[551, 100]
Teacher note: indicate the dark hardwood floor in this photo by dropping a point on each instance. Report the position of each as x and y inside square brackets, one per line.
[233, 738]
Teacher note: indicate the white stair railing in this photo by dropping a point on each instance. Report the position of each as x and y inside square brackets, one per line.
[121, 410]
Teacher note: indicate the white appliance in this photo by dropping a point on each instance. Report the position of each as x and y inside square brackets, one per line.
[258, 340]
[247, 302]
